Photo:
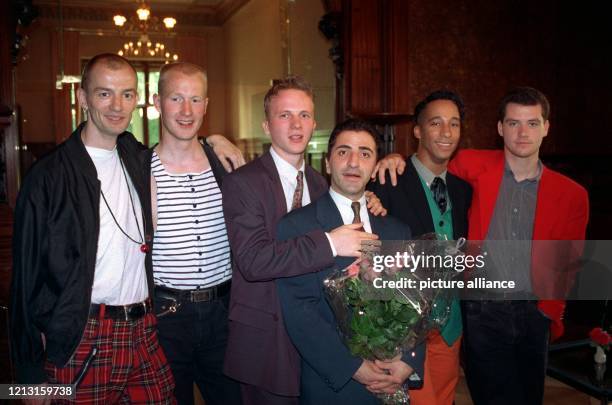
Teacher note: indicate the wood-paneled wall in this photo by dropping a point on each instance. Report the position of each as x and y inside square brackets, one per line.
[398, 51]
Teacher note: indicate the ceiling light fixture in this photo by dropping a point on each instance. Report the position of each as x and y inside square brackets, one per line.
[142, 24]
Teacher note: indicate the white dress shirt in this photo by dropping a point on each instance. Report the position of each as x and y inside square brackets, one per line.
[346, 212]
[288, 177]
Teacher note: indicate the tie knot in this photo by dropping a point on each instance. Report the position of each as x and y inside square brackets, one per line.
[300, 176]
[437, 182]
[356, 207]
[438, 189]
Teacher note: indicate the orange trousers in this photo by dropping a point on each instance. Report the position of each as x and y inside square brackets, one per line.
[441, 372]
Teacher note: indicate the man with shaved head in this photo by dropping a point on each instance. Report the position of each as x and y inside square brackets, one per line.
[80, 297]
[81, 309]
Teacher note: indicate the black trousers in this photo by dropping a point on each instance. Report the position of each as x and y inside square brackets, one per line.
[194, 340]
[505, 348]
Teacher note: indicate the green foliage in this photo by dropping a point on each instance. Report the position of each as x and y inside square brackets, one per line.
[379, 324]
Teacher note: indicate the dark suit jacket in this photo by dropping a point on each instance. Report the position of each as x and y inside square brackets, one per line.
[259, 351]
[327, 365]
[407, 201]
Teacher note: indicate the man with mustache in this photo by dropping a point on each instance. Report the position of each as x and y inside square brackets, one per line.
[429, 199]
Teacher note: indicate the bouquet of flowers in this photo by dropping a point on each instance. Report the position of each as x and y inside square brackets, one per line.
[381, 322]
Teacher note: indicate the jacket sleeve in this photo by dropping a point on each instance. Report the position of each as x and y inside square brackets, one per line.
[29, 257]
[575, 232]
[257, 254]
[415, 358]
[300, 298]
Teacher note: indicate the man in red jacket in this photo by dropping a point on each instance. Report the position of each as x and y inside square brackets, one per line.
[517, 198]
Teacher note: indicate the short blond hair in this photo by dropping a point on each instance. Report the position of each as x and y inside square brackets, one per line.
[185, 68]
[288, 83]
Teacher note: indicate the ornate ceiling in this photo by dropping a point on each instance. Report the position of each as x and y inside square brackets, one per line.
[190, 14]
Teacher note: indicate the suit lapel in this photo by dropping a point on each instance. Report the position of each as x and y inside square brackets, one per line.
[313, 183]
[414, 192]
[329, 218]
[458, 210]
[270, 169]
[377, 224]
[545, 207]
[328, 214]
[489, 182]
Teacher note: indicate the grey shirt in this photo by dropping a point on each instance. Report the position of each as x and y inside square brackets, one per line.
[511, 227]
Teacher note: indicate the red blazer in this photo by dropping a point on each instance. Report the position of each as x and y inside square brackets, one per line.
[259, 351]
[562, 212]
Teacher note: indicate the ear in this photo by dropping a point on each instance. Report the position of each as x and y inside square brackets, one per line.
[327, 169]
[266, 127]
[205, 105]
[82, 97]
[416, 130]
[500, 128]
[546, 127]
[157, 102]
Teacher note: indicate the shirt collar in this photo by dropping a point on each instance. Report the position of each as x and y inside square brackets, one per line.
[534, 179]
[424, 173]
[342, 201]
[284, 168]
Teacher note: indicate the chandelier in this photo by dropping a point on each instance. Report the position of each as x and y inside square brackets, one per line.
[143, 23]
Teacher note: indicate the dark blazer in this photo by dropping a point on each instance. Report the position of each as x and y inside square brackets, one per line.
[259, 351]
[327, 365]
[408, 202]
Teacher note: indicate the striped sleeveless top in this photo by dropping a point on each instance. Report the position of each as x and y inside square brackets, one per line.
[190, 247]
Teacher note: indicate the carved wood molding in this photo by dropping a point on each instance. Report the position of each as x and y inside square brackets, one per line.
[188, 15]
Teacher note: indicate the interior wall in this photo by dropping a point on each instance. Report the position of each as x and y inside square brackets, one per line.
[253, 58]
[261, 46]
[35, 85]
[34, 89]
[481, 49]
[309, 58]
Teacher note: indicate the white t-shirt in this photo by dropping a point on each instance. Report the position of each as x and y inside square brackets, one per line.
[120, 275]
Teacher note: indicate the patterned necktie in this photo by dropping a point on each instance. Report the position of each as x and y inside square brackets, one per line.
[299, 191]
[356, 207]
[438, 188]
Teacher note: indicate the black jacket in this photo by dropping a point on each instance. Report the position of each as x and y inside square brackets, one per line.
[408, 202]
[54, 251]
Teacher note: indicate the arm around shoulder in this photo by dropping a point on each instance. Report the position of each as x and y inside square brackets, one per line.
[257, 254]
